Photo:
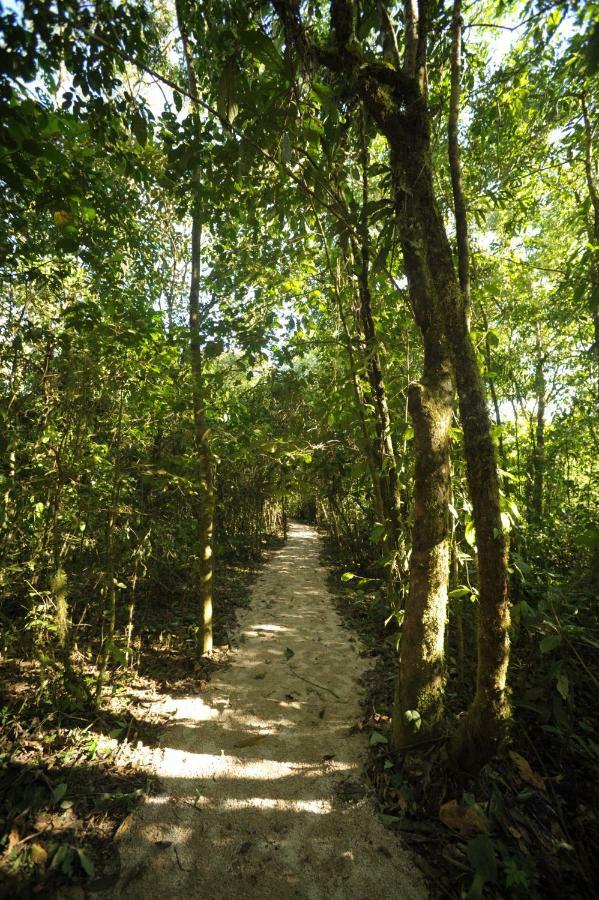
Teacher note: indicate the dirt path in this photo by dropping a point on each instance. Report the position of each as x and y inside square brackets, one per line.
[263, 796]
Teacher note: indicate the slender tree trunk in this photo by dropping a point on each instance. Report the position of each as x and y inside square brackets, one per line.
[389, 480]
[459, 200]
[206, 497]
[387, 464]
[370, 453]
[593, 224]
[538, 457]
[369, 450]
[379, 451]
[493, 391]
[206, 492]
[109, 587]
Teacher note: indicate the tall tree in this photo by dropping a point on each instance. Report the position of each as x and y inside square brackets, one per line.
[396, 97]
[206, 490]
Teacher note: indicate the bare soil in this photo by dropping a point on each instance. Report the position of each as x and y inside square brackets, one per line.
[263, 792]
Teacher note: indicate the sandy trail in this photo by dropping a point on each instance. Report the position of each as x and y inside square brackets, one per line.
[262, 789]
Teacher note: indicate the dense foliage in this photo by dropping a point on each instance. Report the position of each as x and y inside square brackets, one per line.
[227, 297]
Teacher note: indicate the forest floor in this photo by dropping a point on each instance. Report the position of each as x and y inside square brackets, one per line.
[262, 786]
[71, 773]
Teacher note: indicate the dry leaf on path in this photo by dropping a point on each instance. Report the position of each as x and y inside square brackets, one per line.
[462, 818]
[525, 771]
[123, 827]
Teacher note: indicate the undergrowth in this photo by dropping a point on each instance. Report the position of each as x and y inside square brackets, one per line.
[528, 825]
[71, 773]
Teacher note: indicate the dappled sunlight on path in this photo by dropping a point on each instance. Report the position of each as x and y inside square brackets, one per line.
[255, 771]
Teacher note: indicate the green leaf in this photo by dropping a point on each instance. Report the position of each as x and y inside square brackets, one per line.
[226, 102]
[59, 792]
[118, 655]
[550, 642]
[60, 856]
[377, 738]
[262, 48]
[324, 95]
[469, 532]
[286, 155]
[389, 821]
[86, 862]
[481, 857]
[348, 576]
[139, 128]
[462, 591]
[563, 685]
[414, 717]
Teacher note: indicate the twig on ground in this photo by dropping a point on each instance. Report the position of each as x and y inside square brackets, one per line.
[321, 687]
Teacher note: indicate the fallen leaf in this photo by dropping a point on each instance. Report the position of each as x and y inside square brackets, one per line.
[13, 839]
[525, 771]
[39, 854]
[462, 818]
[357, 726]
[123, 827]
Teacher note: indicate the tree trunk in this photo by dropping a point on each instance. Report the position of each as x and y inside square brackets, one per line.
[396, 99]
[389, 480]
[385, 452]
[370, 453]
[206, 499]
[418, 702]
[593, 222]
[538, 456]
[206, 492]
[438, 299]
